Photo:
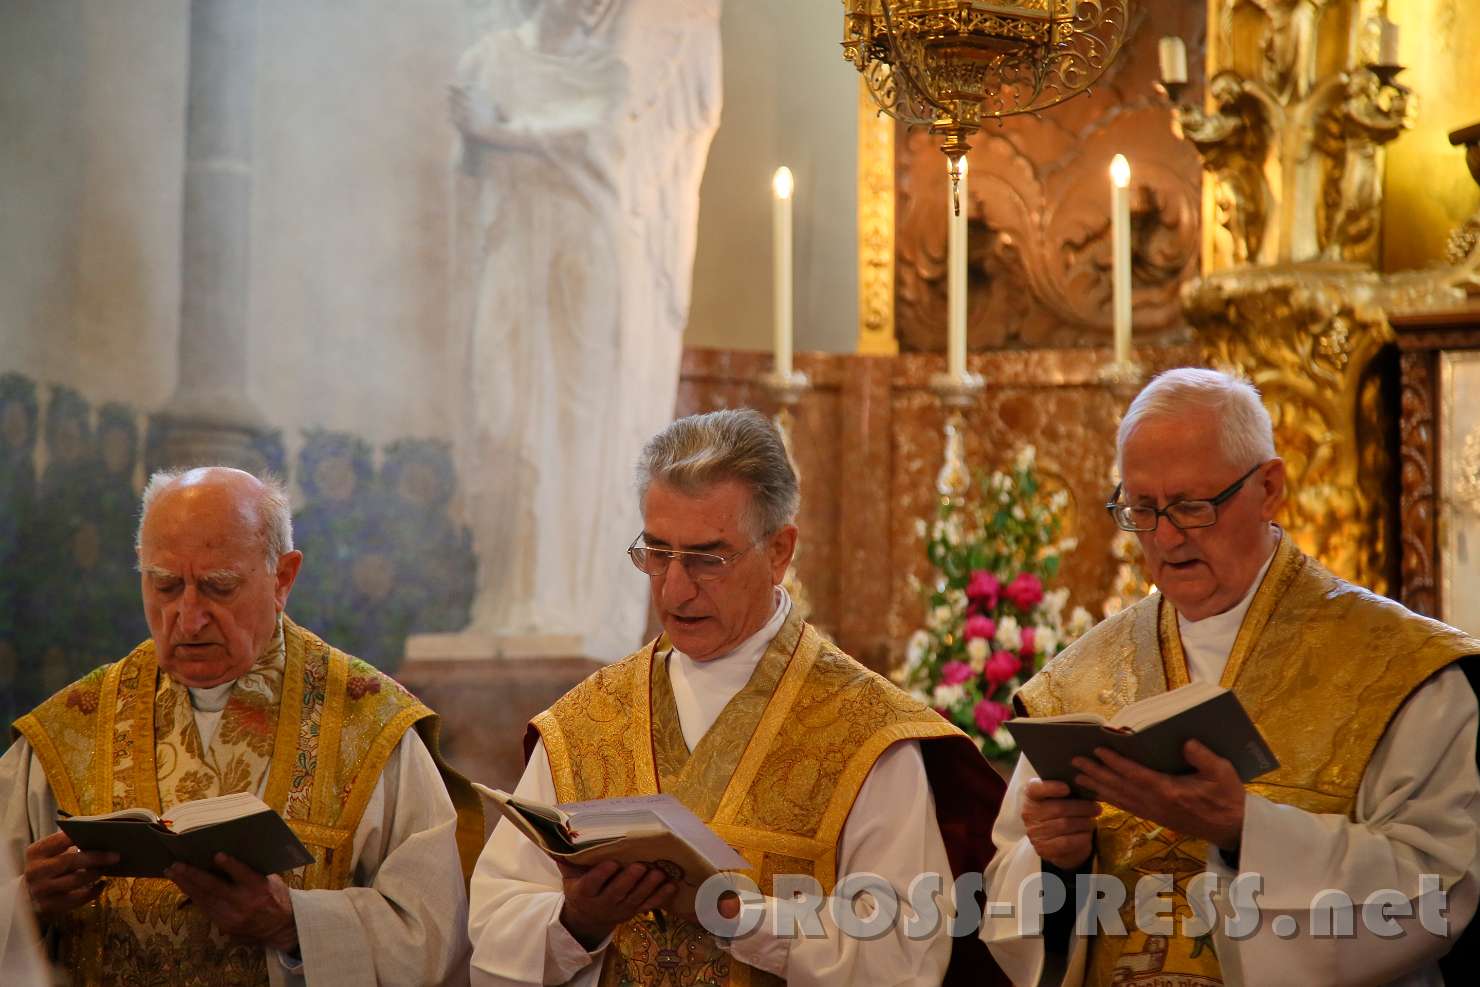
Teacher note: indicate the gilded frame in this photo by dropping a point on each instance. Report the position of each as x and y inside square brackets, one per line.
[1458, 427]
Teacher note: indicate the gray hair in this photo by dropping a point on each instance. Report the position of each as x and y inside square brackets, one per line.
[735, 444]
[1245, 433]
[274, 512]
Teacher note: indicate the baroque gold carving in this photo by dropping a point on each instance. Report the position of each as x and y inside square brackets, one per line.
[1416, 472]
[1292, 140]
[1301, 337]
[875, 228]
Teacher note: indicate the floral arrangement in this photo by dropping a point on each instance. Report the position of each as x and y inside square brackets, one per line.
[990, 619]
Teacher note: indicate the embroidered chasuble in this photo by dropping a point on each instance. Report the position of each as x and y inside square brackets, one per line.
[308, 728]
[774, 776]
[1321, 665]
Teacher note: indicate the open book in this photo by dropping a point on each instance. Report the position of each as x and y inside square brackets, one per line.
[240, 825]
[1151, 732]
[649, 829]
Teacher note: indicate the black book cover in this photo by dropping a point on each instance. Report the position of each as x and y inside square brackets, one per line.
[1220, 723]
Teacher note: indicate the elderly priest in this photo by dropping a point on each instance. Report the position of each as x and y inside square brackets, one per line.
[227, 696]
[1365, 704]
[802, 759]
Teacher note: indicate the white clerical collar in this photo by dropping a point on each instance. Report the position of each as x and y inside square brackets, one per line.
[1208, 642]
[701, 689]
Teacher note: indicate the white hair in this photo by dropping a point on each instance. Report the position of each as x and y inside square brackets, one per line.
[1244, 433]
[274, 512]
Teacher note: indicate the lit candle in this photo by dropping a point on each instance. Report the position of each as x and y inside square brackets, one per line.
[956, 279]
[1173, 55]
[783, 186]
[1387, 48]
[1120, 238]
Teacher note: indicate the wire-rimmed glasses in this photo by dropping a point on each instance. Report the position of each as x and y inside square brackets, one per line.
[701, 567]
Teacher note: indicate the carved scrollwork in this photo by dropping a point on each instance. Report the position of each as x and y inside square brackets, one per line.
[1416, 473]
[1037, 206]
[1303, 341]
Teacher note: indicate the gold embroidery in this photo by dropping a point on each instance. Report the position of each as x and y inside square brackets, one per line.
[108, 743]
[806, 751]
[1321, 666]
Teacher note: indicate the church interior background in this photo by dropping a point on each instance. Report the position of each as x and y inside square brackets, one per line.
[1310, 219]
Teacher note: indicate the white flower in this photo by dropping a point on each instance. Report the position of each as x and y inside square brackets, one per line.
[1026, 457]
[1003, 739]
[1059, 500]
[956, 599]
[1067, 545]
[1009, 636]
[976, 654]
[921, 528]
[1017, 512]
[1079, 622]
[1000, 481]
[946, 696]
[941, 616]
[1045, 640]
[914, 652]
[952, 531]
[1053, 603]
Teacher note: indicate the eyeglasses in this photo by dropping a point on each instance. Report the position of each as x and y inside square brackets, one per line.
[701, 567]
[1183, 514]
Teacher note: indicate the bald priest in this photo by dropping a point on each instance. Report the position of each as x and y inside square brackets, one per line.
[229, 695]
[805, 761]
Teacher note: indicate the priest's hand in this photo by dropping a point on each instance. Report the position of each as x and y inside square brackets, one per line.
[59, 876]
[1208, 804]
[1061, 829]
[243, 904]
[600, 898]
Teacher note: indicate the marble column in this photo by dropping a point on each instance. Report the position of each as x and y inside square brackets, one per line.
[210, 418]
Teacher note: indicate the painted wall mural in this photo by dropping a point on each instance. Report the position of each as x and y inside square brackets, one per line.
[384, 557]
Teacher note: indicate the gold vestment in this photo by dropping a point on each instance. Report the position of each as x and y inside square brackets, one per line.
[775, 776]
[319, 723]
[1321, 665]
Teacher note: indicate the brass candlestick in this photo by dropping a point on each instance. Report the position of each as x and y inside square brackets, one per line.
[956, 393]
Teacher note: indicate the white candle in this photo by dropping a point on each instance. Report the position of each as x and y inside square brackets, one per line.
[956, 279]
[1120, 239]
[1387, 48]
[782, 185]
[1173, 55]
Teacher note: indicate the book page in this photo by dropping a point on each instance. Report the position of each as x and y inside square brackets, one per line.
[1153, 709]
[207, 812]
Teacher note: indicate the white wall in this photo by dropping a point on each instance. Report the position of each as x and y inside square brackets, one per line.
[351, 237]
[791, 99]
[350, 204]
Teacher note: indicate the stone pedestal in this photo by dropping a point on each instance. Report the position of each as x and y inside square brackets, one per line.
[486, 704]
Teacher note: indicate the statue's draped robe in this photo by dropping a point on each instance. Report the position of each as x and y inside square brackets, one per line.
[574, 286]
[775, 775]
[309, 729]
[1323, 668]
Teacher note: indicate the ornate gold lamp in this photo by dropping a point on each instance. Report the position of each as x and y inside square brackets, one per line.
[950, 65]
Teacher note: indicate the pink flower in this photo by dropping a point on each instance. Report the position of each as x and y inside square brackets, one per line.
[955, 672]
[1002, 666]
[1025, 592]
[991, 715]
[984, 588]
[1029, 636]
[979, 626]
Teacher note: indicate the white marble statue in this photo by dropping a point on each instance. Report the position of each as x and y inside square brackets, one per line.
[584, 132]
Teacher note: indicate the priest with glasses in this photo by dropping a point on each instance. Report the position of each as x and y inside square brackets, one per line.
[1366, 705]
[806, 762]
